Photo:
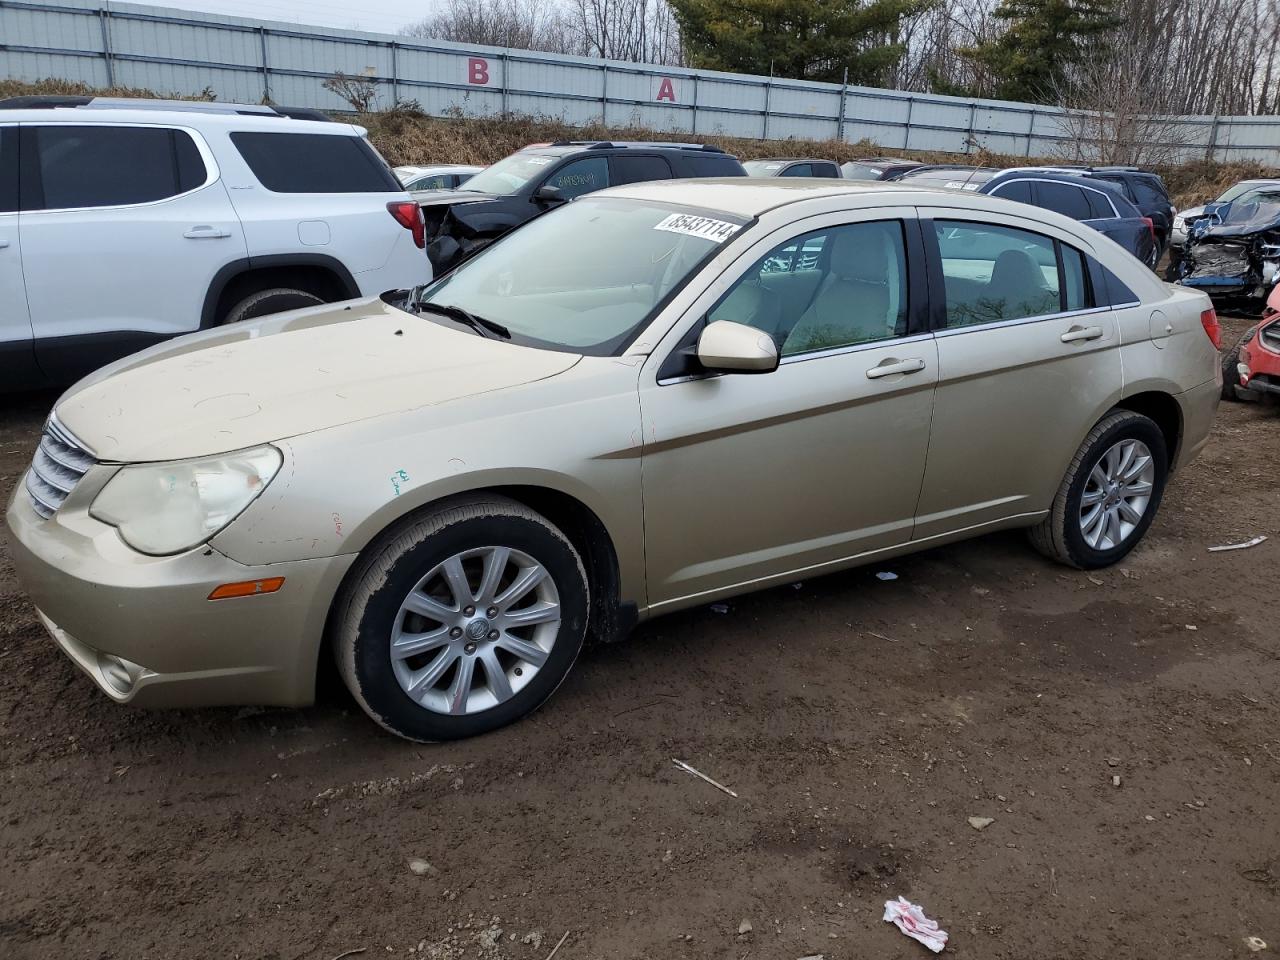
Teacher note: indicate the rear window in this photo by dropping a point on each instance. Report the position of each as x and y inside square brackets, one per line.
[107, 166]
[714, 165]
[1150, 192]
[315, 163]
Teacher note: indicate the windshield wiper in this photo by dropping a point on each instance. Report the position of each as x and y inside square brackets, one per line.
[481, 325]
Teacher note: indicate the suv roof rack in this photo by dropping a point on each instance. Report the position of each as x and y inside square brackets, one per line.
[628, 144]
[68, 101]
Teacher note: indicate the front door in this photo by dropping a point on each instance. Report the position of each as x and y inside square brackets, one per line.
[753, 477]
[1025, 365]
[123, 230]
[17, 356]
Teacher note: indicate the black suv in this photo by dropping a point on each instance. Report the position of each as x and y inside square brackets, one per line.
[1094, 201]
[544, 175]
[1144, 189]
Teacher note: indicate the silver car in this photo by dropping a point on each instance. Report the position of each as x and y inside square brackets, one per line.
[651, 398]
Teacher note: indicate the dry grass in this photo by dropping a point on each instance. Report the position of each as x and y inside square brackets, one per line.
[406, 135]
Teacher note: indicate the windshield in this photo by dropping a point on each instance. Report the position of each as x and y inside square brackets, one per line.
[507, 176]
[860, 171]
[1236, 191]
[587, 276]
[763, 168]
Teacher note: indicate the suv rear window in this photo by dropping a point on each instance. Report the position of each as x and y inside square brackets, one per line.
[713, 165]
[1150, 192]
[315, 163]
[107, 166]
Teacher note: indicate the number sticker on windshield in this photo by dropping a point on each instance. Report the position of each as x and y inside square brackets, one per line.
[717, 231]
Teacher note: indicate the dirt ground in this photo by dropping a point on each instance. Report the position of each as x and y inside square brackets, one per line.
[860, 721]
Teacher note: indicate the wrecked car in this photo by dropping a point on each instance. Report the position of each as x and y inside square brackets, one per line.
[1233, 251]
[542, 176]
[1251, 369]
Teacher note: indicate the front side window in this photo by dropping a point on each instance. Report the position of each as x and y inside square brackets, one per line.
[315, 163]
[8, 169]
[836, 287]
[588, 275]
[107, 166]
[993, 273]
[798, 170]
[581, 176]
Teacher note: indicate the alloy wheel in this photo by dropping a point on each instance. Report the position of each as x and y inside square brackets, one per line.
[475, 630]
[1116, 494]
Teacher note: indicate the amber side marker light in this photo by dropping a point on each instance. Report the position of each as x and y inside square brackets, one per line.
[247, 588]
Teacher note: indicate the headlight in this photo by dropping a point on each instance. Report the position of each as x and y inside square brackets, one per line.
[164, 508]
[1179, 223]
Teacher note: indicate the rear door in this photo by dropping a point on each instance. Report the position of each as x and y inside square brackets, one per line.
[1026, 364]
[17, 355]
[123, 229]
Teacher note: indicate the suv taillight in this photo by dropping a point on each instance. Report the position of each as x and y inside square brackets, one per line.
[1209, 320]
[409, 215]
[1151, 225]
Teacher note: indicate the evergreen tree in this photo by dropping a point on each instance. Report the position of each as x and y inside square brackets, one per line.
[799, 39]
[1032, 59]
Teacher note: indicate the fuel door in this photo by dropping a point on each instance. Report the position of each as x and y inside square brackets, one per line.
[1161, 328]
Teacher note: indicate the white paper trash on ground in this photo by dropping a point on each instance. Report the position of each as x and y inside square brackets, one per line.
[910, 919]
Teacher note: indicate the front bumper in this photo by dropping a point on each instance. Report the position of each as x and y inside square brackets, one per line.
[143, 628]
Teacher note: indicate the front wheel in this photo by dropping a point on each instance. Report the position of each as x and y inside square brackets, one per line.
[1109, 495]
[465, 621]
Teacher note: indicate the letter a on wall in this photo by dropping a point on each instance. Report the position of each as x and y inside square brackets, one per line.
[666, 90]
[478, 71]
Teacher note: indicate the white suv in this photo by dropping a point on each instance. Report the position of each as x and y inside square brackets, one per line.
[125, 222]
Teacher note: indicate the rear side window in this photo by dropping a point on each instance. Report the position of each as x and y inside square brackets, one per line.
[1019, 190]
[1099, 206]
[1062, 198]
[993, 273]
[639, 169]
[713, 165]
[824, 170]
[798, 170]
[315, 163]
[8, 169]
[107, 166]
[1150, 193]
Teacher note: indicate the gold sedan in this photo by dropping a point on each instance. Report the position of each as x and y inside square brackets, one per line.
[654, 397]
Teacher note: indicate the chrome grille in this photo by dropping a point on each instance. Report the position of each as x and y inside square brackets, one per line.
[59, 463]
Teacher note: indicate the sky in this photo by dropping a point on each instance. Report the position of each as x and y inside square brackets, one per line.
[378, 16]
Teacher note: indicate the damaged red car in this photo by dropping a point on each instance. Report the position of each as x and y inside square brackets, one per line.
[1251, 369]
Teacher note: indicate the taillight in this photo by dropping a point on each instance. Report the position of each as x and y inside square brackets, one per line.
[409, 215]
[1209, 320]
[1151, 225]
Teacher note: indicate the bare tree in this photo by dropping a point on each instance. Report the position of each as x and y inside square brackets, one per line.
[360, 92]
[639, 31]
[517, 24]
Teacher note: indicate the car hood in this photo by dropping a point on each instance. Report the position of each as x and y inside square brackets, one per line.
[286, 375]
[1191, 213]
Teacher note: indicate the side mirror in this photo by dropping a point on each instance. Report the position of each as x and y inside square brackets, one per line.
[729, 347]
[548, 194]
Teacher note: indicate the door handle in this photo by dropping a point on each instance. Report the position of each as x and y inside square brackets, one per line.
[3, 243]
[889, 367]
[206, 233]
[1078, 334]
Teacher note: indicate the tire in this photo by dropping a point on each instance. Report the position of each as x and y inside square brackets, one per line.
[1230, 375]
[275, 300]
[447, 691]
[1062, 536]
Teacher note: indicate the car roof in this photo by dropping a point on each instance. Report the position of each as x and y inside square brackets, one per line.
[788, 160]
[752, 196]
[253, 122]
[563, 147]
[880, 161]
[425, 168]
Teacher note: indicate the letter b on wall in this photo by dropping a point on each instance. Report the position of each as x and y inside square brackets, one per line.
[478, 71]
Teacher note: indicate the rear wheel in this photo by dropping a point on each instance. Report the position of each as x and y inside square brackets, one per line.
[1109, 495]
[275, 300]
[464, 622]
